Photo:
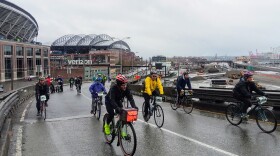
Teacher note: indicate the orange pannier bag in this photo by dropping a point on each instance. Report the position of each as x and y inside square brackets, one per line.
[129, 115]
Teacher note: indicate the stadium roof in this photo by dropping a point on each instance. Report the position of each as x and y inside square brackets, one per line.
[88, 42]
[16, 23]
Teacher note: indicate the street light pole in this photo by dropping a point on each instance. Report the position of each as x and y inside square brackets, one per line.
[133, 62]
[121, 52]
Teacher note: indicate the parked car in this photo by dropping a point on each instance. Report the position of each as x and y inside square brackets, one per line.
[30, 77]
[1, 88]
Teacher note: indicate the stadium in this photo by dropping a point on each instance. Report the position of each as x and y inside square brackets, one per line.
[20, 55]
[87, 55]
[83, 44]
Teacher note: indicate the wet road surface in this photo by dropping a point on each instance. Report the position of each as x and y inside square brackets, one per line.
[71, 130]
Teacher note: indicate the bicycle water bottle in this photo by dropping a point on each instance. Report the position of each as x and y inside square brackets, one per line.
[248, 110]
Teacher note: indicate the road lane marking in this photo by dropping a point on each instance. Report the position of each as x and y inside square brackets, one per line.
[69, 118]
[19, 141]
[20, 131]
[192, 140]
[24, 112]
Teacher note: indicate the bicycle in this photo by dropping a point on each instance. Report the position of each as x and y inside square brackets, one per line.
[71, 85]
[96, 104]
[265, 118]
[155, 110]
[78, 88]
[124, 130]
[43, 110]
[185, 101]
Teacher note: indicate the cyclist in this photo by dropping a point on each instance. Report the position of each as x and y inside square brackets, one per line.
[241, 76]
[41, 88]
[78, 82]
[59, 81]
[71, 81]
[114, 98]
[243, 92]
[182, 81]
[151, 83]
[96, 87]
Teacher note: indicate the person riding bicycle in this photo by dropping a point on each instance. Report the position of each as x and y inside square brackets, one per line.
[243, 91]
[182, 81]
[114, 100]
[151, 83]
[71, 81]
[59, 81]
[95, 88]
[78, 83]
[41, 88]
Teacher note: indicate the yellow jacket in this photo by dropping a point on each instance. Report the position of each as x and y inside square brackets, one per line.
[151, 85]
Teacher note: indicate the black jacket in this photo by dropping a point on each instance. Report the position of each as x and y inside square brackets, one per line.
[181, 83]
[115, 97]
[245, 89]
[41, 89]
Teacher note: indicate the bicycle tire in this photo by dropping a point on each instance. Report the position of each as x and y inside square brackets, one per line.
[174, 103]
[266, 120]
[45, 112]
[233, 112]
[42, 109]
[98, 108]
[128, 139]
[94, 104]
[147, 118]
[187, 105]
[109, 138]
[158, 113]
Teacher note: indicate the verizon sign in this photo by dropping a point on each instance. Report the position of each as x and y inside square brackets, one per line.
[79, 62]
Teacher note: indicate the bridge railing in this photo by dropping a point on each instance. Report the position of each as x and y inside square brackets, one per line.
[12, 100]
[212, 95]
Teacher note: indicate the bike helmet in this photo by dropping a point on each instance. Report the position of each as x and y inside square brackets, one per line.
[186, 73]
[248, 74]
[41, 78]
[153, 72]
[98, 79]
[121, 79]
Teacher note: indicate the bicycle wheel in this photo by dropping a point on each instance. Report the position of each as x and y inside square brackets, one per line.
[187, 105]
[146, 118]
[98, 109]
[174, 103]
[266, 120]
[93, 107]
[158, 116]
[42, 109]
[109, 138]
[45, 112]
[127, 138]
[233, 114]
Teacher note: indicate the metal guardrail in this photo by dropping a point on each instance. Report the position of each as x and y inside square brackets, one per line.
[214, 95]
[10, 102]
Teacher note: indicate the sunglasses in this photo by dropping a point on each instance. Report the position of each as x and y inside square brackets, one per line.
[154, 76]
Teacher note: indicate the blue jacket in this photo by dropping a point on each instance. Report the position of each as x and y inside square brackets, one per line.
[95, 88]
[181, 83]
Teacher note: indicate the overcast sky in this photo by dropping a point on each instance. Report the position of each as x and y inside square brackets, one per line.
[166, 27]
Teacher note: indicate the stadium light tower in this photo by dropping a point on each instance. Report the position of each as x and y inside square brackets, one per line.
[120, 50]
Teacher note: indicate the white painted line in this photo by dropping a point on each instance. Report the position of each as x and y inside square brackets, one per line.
[19, 142]
[69, 118]
[192, 140]
[19, 132]
[24, 112]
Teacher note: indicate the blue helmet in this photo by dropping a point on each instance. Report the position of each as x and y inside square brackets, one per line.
[98, 79]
